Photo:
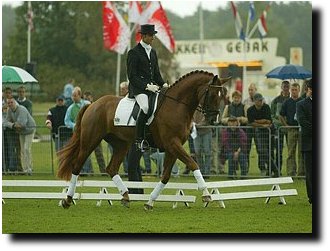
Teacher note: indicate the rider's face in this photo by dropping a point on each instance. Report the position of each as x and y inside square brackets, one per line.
[148, 38]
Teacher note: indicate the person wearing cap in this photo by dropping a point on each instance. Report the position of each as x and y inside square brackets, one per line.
[275, 108]
[305, 120]
[235, 145]
[259, 116]
[144, 78]
[55, 119]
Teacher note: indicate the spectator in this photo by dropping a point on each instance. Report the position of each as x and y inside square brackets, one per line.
[252, 89]
[218, 156]
[70, 120]
[123, 89]
[67, 92]
[55, 119]
[202, 143]
[234, 140]
[305, 120]
[21, 120]
[236, 109]
[98, 150]
[250, 132]
[10, 151]
[6, 93]
[288, 118]
[275, 108]
[259, 116]
[22, 100]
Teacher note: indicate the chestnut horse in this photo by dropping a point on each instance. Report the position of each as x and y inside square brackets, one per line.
[170, 130]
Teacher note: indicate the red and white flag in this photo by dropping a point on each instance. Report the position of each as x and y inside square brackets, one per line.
[116, 34]
[134, 11]
[155, 14]
[262, 26]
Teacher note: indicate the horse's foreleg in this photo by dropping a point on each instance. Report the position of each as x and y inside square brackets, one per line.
[119, 153]
[168, 164]
[178, 150]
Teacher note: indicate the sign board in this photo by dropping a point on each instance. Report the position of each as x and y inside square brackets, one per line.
[188, 52]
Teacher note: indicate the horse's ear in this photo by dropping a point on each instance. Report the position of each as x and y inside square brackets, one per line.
[224, 80]
[214, 80]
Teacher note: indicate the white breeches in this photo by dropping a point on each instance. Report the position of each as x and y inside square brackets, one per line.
[142, 100]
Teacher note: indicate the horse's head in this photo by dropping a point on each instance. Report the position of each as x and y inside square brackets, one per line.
[213, 93]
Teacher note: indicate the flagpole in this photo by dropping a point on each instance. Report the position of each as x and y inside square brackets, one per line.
[244, 82]
[29, 36]
[201, 32]
[118, 73]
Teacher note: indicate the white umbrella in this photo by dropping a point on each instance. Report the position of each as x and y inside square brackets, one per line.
[13, 74]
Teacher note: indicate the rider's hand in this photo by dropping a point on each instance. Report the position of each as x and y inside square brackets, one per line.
[165, 85]
[152, 87]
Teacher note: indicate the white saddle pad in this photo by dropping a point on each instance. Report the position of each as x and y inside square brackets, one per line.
[124, 111]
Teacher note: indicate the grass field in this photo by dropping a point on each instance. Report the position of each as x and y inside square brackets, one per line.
[240, 216]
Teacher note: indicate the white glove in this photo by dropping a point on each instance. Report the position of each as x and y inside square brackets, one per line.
[152, 87]
[165, 85]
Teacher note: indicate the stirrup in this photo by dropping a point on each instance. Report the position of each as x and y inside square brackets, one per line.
[142, 145]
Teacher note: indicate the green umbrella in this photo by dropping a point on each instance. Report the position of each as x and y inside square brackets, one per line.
[12, 74]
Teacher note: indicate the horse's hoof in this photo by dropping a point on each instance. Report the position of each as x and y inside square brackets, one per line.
[65, 204]
[125, 203]
[147, 207]
[206, 198]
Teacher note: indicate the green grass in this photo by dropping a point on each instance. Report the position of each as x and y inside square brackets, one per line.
[240, 216]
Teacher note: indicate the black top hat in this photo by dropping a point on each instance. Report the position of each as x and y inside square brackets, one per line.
[148, 29]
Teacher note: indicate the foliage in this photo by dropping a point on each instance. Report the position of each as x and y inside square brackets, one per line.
[67, 43]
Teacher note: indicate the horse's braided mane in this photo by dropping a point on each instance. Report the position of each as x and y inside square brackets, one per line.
[189, 74]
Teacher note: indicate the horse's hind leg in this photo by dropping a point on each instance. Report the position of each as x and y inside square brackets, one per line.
[82, 156]
[168, 164]
[120, 149]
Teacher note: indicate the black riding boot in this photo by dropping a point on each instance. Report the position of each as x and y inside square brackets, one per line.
[141, 121]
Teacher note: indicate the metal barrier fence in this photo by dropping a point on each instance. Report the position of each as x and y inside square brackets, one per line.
[263, 152]
[21, 156]
[235, 151]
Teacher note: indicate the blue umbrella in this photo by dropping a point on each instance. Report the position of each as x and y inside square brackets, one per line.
[289, 71]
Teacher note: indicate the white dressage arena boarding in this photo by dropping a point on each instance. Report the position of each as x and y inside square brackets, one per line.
[178, 195]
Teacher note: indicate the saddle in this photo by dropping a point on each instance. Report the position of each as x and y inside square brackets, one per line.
[128, 109]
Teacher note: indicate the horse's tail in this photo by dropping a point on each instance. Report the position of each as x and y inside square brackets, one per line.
[68, 155]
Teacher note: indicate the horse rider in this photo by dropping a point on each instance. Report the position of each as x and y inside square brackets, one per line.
[144, 78]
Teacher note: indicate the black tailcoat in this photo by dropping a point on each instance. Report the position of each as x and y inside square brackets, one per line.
[142, 71]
